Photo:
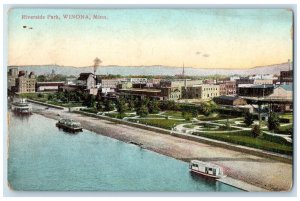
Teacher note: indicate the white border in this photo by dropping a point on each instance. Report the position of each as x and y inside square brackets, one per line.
[114, 3]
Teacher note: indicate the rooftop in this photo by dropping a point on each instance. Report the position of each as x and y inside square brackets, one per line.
[261, 86]
[228, 97]
[142, 90]
[286, 87]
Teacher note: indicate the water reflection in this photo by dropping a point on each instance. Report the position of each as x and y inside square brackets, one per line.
[212, 182]
[42, 157]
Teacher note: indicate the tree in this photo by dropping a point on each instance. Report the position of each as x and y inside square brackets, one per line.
[108, 106]
[227, 124]
[131, 104]
[194, 113]
[90, 101]
[40, 95]
[59, 95]
[248, 119]
[206, 109]
[153, 107]
[50, 97]
[41, 78]
[121, 106]
[255, 131]
[142, 111]
[99, 105]
[273, 122]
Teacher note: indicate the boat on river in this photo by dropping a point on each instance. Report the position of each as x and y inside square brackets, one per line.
[69, 125]
[21, 107]
[206, 169]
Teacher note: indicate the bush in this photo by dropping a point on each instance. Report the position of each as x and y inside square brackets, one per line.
[153, 107]
[249, 119]
[227, 125]
[50, 97]
[121, 106]
[255, 131]
[276, 139]
[284, 120]
[142, 111]
[108, 106]
[273, 122]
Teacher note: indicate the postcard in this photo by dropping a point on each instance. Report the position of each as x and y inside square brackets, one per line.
[150, 100]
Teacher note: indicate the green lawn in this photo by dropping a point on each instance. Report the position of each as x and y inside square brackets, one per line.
[214, 117]
[174, 114]
[43, 97]
[119, 116]
[189, 126]
[244, 138]
[70, 104]
[285, 129]
[161, 123]
[287, 115]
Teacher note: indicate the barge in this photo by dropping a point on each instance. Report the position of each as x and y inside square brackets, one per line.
[206, 169]
[69, 125]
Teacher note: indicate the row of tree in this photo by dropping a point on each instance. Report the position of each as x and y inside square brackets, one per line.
[273, 123]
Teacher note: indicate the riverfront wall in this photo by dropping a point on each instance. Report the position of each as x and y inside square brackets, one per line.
[248, 150]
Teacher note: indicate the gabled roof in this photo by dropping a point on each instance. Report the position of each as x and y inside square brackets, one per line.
[287, 87]
[84, 76]
[231, 98]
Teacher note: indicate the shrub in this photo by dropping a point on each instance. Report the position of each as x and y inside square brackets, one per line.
[248, 119]
[273, 122]
[284, 120]
[255, 131]
[142, 111]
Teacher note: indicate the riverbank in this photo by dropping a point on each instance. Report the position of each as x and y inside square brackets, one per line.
[254, 173]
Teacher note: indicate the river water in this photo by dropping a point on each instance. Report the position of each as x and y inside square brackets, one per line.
[42, 157]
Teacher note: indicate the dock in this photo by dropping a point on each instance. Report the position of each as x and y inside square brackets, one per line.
[241, 185]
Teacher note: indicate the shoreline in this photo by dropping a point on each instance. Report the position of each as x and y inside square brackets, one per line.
[245, 173]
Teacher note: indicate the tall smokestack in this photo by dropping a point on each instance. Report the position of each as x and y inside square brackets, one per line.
[97, 63]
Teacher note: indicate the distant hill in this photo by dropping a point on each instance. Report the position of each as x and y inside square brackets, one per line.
[153, 70]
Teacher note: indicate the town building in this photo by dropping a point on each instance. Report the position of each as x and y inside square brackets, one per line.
[141, 93]
[283, 93]
[252, 90]
[263, 81]
[25, 83]
[229, 100]
[12, 76]
[71, 81]
[108, 83]
[138, 80]
[209, 91]
[173, 89]
[204, 91]
[86, 80]
[48, 86]
[124, 85]
[227, 88]
[286, 77]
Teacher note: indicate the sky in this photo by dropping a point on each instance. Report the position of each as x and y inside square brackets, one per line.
[199, 38]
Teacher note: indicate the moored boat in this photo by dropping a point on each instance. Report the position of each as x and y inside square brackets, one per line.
[21, 107]
[206, 169]
[69, 125]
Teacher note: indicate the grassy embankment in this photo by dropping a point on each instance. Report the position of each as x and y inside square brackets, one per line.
[44, 97]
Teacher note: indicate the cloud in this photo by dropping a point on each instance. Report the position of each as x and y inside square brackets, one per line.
[198, 52]
[205, 55]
